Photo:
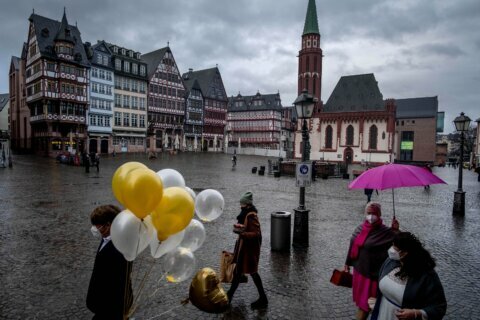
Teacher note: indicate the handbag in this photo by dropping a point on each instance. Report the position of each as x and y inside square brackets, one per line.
[227, 267]
[341, 278]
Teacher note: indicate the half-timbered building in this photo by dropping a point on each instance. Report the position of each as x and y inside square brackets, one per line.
[166, 100]
[101, 98]
[56, 79]
[254, 124]
[130, 109]
[193, 128]
[215, 108]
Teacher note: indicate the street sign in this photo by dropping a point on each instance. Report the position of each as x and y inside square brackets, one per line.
[304, 174]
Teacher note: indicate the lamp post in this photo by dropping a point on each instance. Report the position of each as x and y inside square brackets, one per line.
[304, 105]
[462, 123]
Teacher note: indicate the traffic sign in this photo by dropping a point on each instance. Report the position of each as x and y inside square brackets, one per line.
[304, 174]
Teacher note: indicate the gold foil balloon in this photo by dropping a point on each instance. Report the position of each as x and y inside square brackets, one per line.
[174, 212]
[142, 191]
[120, 175]
[206, 292]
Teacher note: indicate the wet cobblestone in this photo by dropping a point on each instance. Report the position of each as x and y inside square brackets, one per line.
[47, 251]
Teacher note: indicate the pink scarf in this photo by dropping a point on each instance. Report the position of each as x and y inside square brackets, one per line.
[362, 237]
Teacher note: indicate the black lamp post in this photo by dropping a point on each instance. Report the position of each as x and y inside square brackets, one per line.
[462, 123]
[304, 105]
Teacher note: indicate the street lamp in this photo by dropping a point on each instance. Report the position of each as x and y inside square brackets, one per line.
[462, 124]
[304, 105]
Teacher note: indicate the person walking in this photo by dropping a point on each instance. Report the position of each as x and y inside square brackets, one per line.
[97, 162]
[109, 294]
[86, 162]
[368, 250]
[247, 250]
[409, 287]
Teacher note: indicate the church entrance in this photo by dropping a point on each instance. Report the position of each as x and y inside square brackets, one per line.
[348, 155]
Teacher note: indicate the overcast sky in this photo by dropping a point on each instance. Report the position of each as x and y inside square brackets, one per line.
[415, 48]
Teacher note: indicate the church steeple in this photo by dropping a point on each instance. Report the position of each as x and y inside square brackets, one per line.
[311, 21]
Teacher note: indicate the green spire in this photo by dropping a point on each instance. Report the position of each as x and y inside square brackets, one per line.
[311, 21]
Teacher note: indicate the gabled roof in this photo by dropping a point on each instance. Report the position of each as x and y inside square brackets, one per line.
[4, 97]
[268, 102]
[355, 93]
[16, 62]
[102, 44]
[311, 21]
[426, 107]
[191, 83]
[205, 78]
[46, 30]
[153, 60]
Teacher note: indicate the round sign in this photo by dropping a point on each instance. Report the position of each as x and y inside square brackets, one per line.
[303, 169]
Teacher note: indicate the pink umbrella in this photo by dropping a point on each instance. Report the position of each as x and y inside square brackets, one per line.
[391, 176]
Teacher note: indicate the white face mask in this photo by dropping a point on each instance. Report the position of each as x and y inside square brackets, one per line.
[393, 254]
[371, 218]
[95, 232]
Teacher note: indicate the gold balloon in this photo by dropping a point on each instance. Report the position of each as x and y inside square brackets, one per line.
[120, 175]
[174, 212]
[142, 191]
[206, 292]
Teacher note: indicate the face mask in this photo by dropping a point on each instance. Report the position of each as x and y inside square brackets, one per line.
[393, 254]
[95, 232]
[371, 218]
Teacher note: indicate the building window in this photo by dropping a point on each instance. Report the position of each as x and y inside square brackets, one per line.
[105, 61]
[372, 141]
[126, 101]
[349, 141]
[134, 68]
[99, 59]
[142, 70]
[118, 118]
[406, 145]
[328, 137]
[142, 121]
[126, 119]
[126, 66]
[118, 64]
[134, 120]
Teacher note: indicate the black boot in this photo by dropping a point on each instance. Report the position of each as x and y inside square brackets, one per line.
[262, 302]
[233, 288]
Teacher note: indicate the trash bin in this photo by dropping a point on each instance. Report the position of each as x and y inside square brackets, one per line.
[262, 168]
[254, 170]
[261, 172]
[276, 174]
[280, 230]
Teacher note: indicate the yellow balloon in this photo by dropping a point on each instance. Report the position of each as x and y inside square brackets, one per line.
[174, 212]
[120, 175]
[142, 191]
[206, 292]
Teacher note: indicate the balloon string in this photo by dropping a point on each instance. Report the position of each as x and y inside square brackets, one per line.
[156, 290]
[161, 314]
[140, 289]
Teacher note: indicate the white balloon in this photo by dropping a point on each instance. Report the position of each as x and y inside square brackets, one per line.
[194, 236]
[159, 248]
[179, 265]
[130, 235]
[192, 193]
[171, 178]
[209, 204]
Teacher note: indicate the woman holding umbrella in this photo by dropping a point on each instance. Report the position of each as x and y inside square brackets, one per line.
[368, 250]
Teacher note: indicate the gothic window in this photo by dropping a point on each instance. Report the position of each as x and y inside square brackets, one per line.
[373, 138]
[328, 137]
[349, 141]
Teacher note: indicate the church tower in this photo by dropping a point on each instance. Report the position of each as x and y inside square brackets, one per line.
[310, 56]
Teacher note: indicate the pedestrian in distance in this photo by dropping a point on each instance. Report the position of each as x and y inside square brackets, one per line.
[368, 193]
[86, 162]
[247, 250]
[429, 169]
[368, 250]
[109, 294]
[409, 287]
[234, 160]
[97, 162]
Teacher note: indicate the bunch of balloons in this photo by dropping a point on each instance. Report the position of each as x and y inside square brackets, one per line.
[159, 213]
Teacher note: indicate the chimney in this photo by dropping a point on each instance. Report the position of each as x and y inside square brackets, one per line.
[190, 70]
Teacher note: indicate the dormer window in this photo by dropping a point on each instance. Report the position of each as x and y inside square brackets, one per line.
[115, 49]
[67, 32]
[138, 55]
[130, 54]
[123, 51]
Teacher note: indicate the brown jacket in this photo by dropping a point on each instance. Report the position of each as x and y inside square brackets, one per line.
[247, 247]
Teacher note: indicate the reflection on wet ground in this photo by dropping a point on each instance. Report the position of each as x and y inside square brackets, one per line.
[47, 251]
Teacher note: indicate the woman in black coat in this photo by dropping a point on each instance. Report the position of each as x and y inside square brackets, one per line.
[409, 287]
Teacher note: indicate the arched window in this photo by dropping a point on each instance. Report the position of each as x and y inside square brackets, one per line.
[307, 66]
[306, 84]
[349, 135]
[372, 142]
[314, 86]
[328, 137]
